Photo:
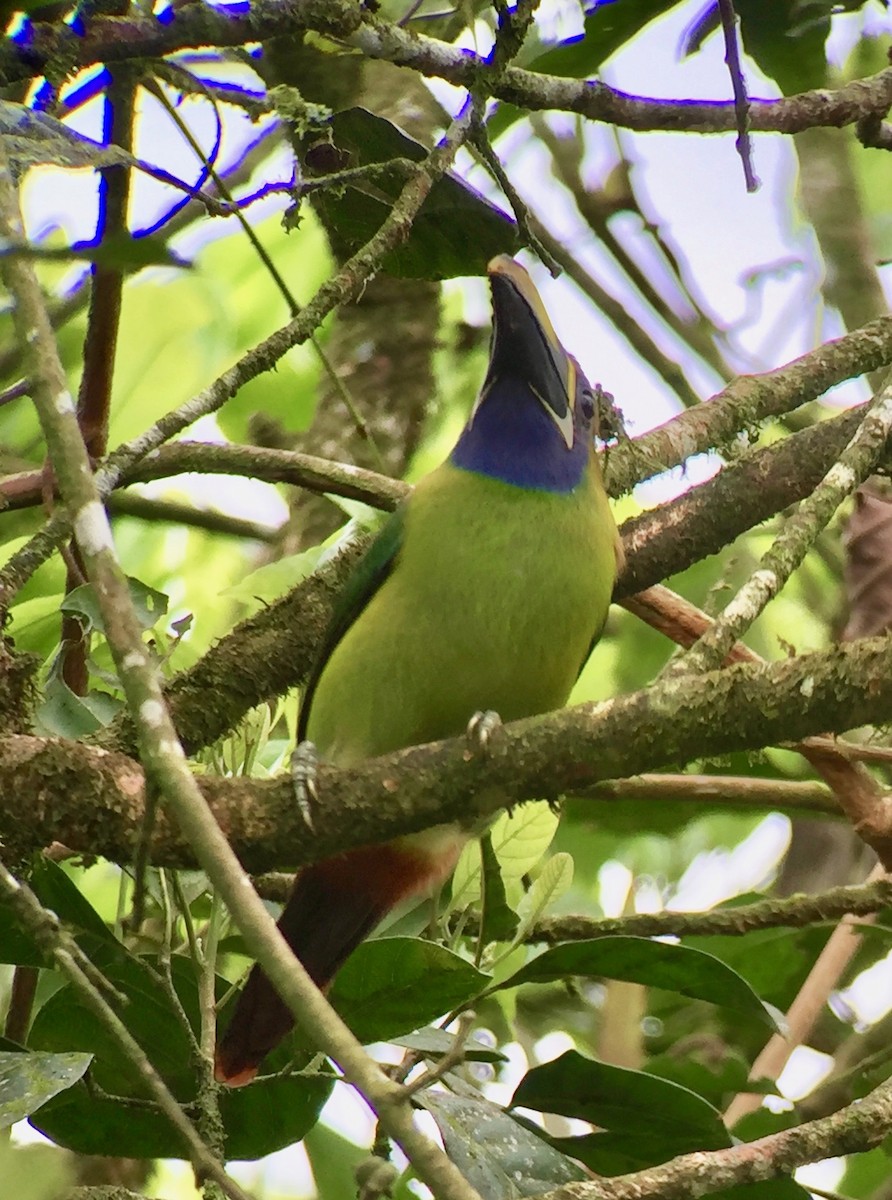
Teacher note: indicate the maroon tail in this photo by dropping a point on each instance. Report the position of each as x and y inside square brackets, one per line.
[334, 905]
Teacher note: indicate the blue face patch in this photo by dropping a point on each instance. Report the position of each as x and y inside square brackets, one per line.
[511, 437]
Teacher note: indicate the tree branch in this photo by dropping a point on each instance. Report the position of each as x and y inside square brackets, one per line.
[743, 707]
[114, 39]
[860, 1126]
[748, 401]
[792, 912]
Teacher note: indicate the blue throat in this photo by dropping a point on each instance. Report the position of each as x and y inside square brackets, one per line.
[513, 439]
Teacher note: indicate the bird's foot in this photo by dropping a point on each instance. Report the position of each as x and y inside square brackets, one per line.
[481, 727]
[304, 763]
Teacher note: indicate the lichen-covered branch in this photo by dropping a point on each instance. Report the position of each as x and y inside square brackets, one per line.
[795, 539]
[788, 912]
[115, 39]
[748, 401]
[860, 1126]
[743, 707]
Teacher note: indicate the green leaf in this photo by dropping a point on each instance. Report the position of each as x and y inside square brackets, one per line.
[29, 1080]
[56, 891]
[391, 986]
[274, 579]
[457, 231]
[16, 944]
[519, 839]
[616, 1098]
[499, 920]
[273, 1112]
[553, 882]
[774, 962]
[498, 1156]
[673, 967]
[787, 40]
[66, 1022]
[717, 1073]
[62, 713]
[149, 603]
[333, 1161]
[434, 1043]
[619, 1153]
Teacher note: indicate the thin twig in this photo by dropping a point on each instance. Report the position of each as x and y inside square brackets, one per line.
[738, 84]
[735, 920]
[803, 1013]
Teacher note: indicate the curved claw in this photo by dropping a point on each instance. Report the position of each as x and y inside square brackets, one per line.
[481, 727]
[304, 762]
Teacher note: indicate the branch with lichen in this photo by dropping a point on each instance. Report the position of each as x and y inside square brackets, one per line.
[794, 540]
[115, 39]
[788, 912]
[743, 707]
[861, 1126]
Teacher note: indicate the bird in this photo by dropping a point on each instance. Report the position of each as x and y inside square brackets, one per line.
[484, 592]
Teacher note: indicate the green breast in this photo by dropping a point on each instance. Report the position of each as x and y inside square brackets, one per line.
[493, 603]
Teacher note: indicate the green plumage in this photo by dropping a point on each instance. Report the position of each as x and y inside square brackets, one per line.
[485, 591]
[494, 598]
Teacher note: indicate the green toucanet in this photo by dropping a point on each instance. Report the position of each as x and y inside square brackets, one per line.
[486, 590]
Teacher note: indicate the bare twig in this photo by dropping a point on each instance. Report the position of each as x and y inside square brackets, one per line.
[803, 1013]
[741, 100]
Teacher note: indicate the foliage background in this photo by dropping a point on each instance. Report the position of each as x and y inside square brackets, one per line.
[714, 284]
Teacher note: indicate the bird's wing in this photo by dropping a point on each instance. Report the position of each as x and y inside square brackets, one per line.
[363, 582]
